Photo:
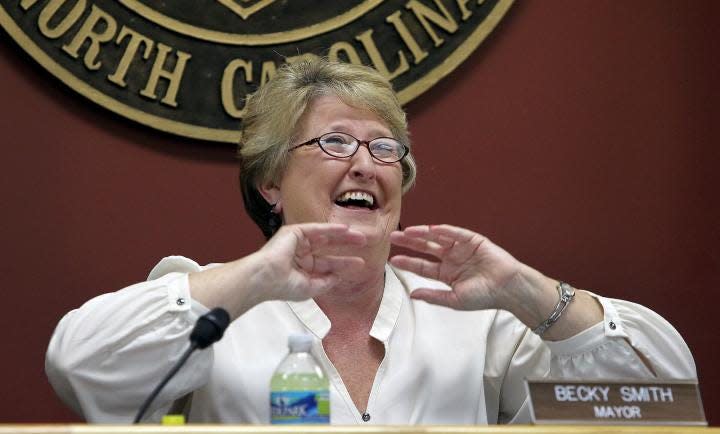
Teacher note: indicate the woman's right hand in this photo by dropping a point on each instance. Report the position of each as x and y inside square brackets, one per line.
[299, 262]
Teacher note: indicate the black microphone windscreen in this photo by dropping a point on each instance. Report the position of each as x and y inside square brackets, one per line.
[210, 327]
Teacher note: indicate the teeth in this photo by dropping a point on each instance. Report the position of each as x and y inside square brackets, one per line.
[357, 195]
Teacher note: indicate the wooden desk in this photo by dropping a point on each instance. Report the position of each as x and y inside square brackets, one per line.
[270, 429]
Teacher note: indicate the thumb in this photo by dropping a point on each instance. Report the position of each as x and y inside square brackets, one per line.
[439, 297]
[322, 284]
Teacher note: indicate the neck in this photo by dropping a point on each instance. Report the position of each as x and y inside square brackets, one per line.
[355, 300]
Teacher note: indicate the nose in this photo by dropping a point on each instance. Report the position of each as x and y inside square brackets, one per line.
[362, 164]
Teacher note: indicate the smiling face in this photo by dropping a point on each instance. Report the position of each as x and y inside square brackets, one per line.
[359, 191]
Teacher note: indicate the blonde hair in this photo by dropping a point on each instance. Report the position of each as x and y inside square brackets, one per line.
[273, 113]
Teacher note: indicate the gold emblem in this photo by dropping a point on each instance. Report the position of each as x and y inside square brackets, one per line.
[186, 66]
[245, 11]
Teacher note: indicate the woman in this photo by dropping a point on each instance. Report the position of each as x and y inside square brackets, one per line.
[324, 165]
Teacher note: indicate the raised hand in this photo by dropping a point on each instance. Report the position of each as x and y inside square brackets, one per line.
[303, 261]
[299, 262]
[479, 272]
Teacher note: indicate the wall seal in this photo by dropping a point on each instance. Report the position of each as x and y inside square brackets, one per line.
[185, 66]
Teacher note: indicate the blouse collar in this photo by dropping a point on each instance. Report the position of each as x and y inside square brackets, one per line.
[310, 314]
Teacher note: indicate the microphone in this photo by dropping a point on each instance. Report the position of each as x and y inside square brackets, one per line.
[208, 329]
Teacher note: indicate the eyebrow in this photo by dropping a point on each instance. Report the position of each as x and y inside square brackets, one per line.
[343, 128]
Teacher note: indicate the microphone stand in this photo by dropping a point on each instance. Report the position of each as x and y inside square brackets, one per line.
[193, 346]
[208, 329]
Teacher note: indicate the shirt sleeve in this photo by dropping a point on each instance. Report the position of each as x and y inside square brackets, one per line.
[632, 342]
[106, 357]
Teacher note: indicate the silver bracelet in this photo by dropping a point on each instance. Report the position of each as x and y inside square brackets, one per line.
[566, 293]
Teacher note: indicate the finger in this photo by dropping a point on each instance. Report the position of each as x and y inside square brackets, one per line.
[322, 234]
[425, 232]
[313, 287]
[455, 233]
[334, 264]
[321, 284]
[439, 297]
[314, 237]
[417, 244]
[466, 243]
[417, 229]
[418, 266]
[310, 228]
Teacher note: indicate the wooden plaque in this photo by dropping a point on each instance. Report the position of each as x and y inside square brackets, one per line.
[615, 402]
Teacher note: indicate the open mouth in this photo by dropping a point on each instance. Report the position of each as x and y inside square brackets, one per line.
[356, 200]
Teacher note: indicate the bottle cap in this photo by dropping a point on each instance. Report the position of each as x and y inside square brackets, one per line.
[300, 342]
[173, 419]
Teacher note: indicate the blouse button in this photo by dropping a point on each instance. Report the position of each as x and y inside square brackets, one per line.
[612, 325]
[180, 301]
[366, 417]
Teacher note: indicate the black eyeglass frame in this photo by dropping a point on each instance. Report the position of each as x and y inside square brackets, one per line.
[406, 149]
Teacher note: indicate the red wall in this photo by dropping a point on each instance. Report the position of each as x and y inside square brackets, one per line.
[582, 137]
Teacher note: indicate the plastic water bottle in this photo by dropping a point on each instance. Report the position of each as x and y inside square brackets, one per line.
[299, 389]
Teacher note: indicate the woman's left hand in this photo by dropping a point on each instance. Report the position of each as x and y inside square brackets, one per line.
[481, 274]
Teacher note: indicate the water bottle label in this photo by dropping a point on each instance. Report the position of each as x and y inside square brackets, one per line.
[299, 407]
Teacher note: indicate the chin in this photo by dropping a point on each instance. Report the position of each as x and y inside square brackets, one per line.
[376, 233]
[373, 224]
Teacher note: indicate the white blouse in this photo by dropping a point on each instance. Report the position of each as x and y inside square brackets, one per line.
[440, 367]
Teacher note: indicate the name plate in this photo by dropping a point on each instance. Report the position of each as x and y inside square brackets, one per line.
[615, 402]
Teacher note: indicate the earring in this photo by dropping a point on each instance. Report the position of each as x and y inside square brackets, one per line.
[274, 219]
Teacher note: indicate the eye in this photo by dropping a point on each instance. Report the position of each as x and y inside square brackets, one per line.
[385, 148]
[338, 144]
[336, 139]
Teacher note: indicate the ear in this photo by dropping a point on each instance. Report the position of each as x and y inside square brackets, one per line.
[271, 193]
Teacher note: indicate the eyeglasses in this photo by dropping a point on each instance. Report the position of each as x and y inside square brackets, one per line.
[343, 145]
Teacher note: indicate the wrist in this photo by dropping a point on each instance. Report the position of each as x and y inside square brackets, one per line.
[250, 278]
[536, 298]
[566, 293]
[230, 286]
[531, 297]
